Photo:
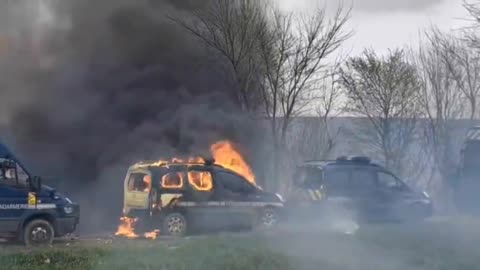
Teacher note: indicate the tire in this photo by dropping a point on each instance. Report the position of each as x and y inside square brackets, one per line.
[267, 218]
[174, 224]
[38, 232]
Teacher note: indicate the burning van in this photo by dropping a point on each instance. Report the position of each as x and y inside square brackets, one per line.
[178, 196]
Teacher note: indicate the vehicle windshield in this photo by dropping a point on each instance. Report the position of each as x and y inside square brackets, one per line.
[234, 182]
[389, 181]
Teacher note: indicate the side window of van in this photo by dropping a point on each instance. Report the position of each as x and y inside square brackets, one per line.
[12, 174]
[172, 180]
[200, 180]
[139, 182]
[388, 181]
[337, 179]
[363, 179]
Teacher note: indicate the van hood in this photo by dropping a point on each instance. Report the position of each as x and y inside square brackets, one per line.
[47, 191]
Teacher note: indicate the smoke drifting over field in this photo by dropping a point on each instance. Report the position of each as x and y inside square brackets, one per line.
[126, 84]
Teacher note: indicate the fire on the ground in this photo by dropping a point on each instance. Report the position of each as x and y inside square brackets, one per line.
[224, 154]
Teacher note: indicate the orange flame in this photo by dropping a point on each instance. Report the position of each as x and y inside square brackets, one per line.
[172, 180]
[147, 179]
[226, 155]
[127, 227]
[200, 180]
[152, 235]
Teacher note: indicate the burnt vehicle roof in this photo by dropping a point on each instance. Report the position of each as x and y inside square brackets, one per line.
[158, 165]
[162, 164]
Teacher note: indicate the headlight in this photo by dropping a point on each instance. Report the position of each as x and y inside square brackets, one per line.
[68, 200]
[426, 194]
[68, 209]
[279, 197]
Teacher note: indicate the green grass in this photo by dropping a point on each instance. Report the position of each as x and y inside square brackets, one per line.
[212, 253]
[437, 246]
[53, 259]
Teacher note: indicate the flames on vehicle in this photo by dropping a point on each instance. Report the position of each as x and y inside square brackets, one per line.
[224, 153]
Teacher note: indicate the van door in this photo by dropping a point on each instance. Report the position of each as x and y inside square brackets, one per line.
[14, 200]
[238, 196]
[207, 212]
[391, 191]
[137, 189]
[364, 193]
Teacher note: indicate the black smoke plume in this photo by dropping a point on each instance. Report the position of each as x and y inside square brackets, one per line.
[114, 82]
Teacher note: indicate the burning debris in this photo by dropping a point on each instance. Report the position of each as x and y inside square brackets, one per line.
[152, 235]
[127, 229]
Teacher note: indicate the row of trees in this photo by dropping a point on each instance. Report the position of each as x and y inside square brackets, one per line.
[284, 54]
[283, 65]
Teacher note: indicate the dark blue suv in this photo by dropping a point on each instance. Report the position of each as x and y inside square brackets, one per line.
[29, 211]
[371, 191]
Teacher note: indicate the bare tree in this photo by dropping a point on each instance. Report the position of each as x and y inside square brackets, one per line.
[473, 9]
[471, 36]
[284, 53]
[232, 28]
[315, 137]
[463, 64]
[441, 101]
[384, 90]
[289, 51]
[329, 105]
[294, 53]
[465, 68]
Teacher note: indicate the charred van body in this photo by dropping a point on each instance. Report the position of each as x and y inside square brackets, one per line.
[180, 197]
[356, 184]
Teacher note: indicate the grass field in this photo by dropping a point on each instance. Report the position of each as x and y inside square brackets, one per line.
[435, 245]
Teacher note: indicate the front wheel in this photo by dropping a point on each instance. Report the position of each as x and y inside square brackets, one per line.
[267, 218]
[38, 232]
[415, 213]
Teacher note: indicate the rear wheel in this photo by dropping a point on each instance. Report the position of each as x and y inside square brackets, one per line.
[38, 232]
[174, 224]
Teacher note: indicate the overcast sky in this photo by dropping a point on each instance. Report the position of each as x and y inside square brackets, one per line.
[384, 24]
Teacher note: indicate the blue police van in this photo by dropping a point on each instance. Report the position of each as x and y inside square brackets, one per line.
[30, 211]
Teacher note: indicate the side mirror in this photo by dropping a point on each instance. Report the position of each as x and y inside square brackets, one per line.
[37, 182]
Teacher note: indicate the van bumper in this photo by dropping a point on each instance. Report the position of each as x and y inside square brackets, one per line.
[66, 225]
